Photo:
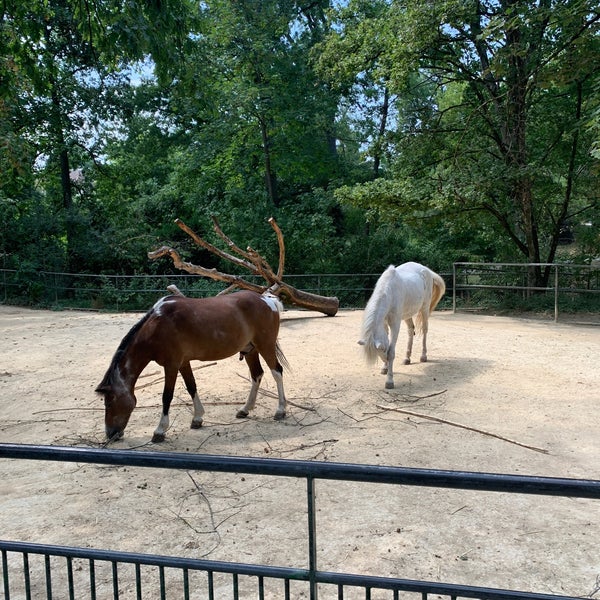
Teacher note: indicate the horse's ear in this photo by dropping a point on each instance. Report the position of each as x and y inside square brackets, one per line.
[361, 342]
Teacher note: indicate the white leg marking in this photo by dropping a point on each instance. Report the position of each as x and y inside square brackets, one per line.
[161, 430]
[251, 402]
[281, 406]
[198, 412]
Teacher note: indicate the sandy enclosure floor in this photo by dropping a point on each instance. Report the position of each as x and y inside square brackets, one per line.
[532, 382]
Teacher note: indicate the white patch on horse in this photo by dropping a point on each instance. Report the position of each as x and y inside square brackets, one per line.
[273, 301]
[157, 308]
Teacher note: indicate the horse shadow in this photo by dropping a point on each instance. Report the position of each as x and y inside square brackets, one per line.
[428, 383]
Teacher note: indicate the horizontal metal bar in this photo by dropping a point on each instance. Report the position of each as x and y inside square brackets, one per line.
[155, 560]
[561, 265]
[431, 587]
[321, 577]
[491, 482]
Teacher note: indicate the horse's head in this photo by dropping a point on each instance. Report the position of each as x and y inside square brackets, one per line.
[119, 403]
[374, 348]
[382, 347]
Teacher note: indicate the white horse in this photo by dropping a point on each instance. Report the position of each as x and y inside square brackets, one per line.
[401, 293]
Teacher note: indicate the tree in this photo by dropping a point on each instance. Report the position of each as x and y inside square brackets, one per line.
[260, 117]
[63, 63]
[493, 102]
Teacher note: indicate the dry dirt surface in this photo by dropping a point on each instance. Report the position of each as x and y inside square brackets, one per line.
[527, 390]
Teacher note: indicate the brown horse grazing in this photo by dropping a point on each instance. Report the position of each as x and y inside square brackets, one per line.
[177, 330]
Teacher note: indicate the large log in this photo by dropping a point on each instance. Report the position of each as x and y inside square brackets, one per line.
[327, 305]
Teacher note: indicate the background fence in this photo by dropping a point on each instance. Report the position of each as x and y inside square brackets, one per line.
[470, 286]
[570, 287]
[180, 578]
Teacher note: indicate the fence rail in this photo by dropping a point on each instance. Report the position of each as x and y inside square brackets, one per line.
[565, 280]
[481, 285]
[294, 582]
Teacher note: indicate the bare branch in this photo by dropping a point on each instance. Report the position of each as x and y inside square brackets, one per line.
[275, 226]
[454, 424]
[253, 262]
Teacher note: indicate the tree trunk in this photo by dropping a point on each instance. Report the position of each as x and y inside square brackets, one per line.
[324, 304]
[270, 177]
[515, 146]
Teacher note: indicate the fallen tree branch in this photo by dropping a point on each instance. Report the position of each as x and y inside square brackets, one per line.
[453, 424]
[252, 261]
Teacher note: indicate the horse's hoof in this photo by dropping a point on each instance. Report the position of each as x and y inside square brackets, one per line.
[196, 424]
[115, 436]
[406, 361]
[389, 385]
[384, 371]
[279, 416]
[423, 359]
[241, 414]
[157, 438]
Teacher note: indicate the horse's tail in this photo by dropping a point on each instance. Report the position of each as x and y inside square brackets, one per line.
[439, 289]
[283, 361]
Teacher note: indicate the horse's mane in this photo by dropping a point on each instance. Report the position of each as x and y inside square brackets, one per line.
[107, 381]
[372, 318]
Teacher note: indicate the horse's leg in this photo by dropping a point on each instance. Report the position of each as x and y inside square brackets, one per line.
[384, 367]
[391, 354]
[410, 325]
[190, 384]
[167, 396]
[277, 373]
[425, 327]
[256, 374]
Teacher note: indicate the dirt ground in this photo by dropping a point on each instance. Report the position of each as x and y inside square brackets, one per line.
[535, 384]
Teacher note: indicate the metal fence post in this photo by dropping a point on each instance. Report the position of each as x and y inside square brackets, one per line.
[555, 293]
[453, 288]
[312, 537]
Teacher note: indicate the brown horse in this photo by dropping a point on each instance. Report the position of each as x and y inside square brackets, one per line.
[177, 330]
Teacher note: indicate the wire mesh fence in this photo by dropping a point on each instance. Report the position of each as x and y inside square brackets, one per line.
[482, 286]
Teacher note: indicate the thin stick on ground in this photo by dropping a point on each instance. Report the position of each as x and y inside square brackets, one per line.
[461, 426]
[273, 395]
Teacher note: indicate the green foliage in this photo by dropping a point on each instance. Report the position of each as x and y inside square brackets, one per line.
[374, 132]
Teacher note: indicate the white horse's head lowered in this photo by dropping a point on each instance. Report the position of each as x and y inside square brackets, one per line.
[375, 348]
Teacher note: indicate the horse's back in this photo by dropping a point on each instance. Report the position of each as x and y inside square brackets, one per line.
[212, 328]
[433, 284]
[413, 288]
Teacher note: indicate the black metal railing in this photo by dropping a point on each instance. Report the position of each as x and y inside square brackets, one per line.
[174, 577]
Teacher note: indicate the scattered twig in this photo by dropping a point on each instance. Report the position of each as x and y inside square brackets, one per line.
[453, 424]
[208, 504]
[17, 423]
[160, 377]
[417, 398]
[306, 446]
[270, 394]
